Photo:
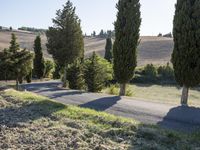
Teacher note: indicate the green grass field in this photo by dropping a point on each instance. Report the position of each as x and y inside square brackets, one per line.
[29, 121]
[162, 94]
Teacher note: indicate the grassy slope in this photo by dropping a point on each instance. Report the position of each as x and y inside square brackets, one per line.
[31, 121]
[155, 50]
[162, 94]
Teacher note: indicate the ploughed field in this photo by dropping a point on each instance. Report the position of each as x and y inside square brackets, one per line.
[156, 50]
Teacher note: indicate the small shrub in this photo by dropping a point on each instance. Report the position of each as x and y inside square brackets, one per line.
[113, 90]
[129, 92]
[56, 73]
[166, 72]
[29, 77]
[49, 68]
[150, 70]
[75, 76]
[98, 72]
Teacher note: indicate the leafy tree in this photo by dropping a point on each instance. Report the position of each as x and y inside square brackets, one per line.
[109, 34]
[75, 75]
[186, 53]
[126, 41]
[5, 65]
[94, 34]
[97, 72]
[49, 68]
[166, 72]
[29, 77]
[39, 63]
[56, 73]
[65, 40]
[101, 34]
[108, 48]
[150, 70]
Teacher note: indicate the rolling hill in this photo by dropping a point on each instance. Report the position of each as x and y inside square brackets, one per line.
[156, 50]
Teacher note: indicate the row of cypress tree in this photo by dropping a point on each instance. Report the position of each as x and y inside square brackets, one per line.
[65, 42]
[186, 53]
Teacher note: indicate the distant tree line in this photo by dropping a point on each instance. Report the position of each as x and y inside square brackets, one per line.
[168, 35]
[31, 29]
[104, 34]
[5, 28]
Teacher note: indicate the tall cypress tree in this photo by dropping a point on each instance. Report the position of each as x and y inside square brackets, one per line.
[127, 29]
[108, 48]
[65, 39]
[186, 53]
[39, 63]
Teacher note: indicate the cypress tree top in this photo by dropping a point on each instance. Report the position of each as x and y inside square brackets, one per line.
[108, 48]
[14, 46]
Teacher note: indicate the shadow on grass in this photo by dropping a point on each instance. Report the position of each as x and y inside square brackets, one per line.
[182, 118]
[11, 117]
[102, 104]
[163, 85]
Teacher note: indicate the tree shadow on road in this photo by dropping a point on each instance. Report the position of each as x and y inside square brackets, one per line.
[36, 86]
[53, 89]
[66, 93]
[182, 118]
[102, 104]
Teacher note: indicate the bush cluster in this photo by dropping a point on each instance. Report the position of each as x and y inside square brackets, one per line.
[92, 74]
[155, 75]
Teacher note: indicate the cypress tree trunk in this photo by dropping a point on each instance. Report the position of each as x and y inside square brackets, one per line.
[65, 77]
[122, 89]
[184, 98]
[17, 84]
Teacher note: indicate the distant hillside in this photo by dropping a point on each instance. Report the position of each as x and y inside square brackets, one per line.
[156, 50]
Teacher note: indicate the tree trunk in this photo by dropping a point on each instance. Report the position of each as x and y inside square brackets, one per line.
[17, 84]
[65, 77]
[122, 89]
[184, 98]
[5, 76]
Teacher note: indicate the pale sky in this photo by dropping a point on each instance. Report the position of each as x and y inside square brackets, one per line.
[157, 15]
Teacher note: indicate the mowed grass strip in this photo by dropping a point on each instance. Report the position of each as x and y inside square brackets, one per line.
[29, 121]
[170, 94]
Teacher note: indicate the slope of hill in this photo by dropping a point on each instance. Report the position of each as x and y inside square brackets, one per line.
[25, 39]
[156, 50]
